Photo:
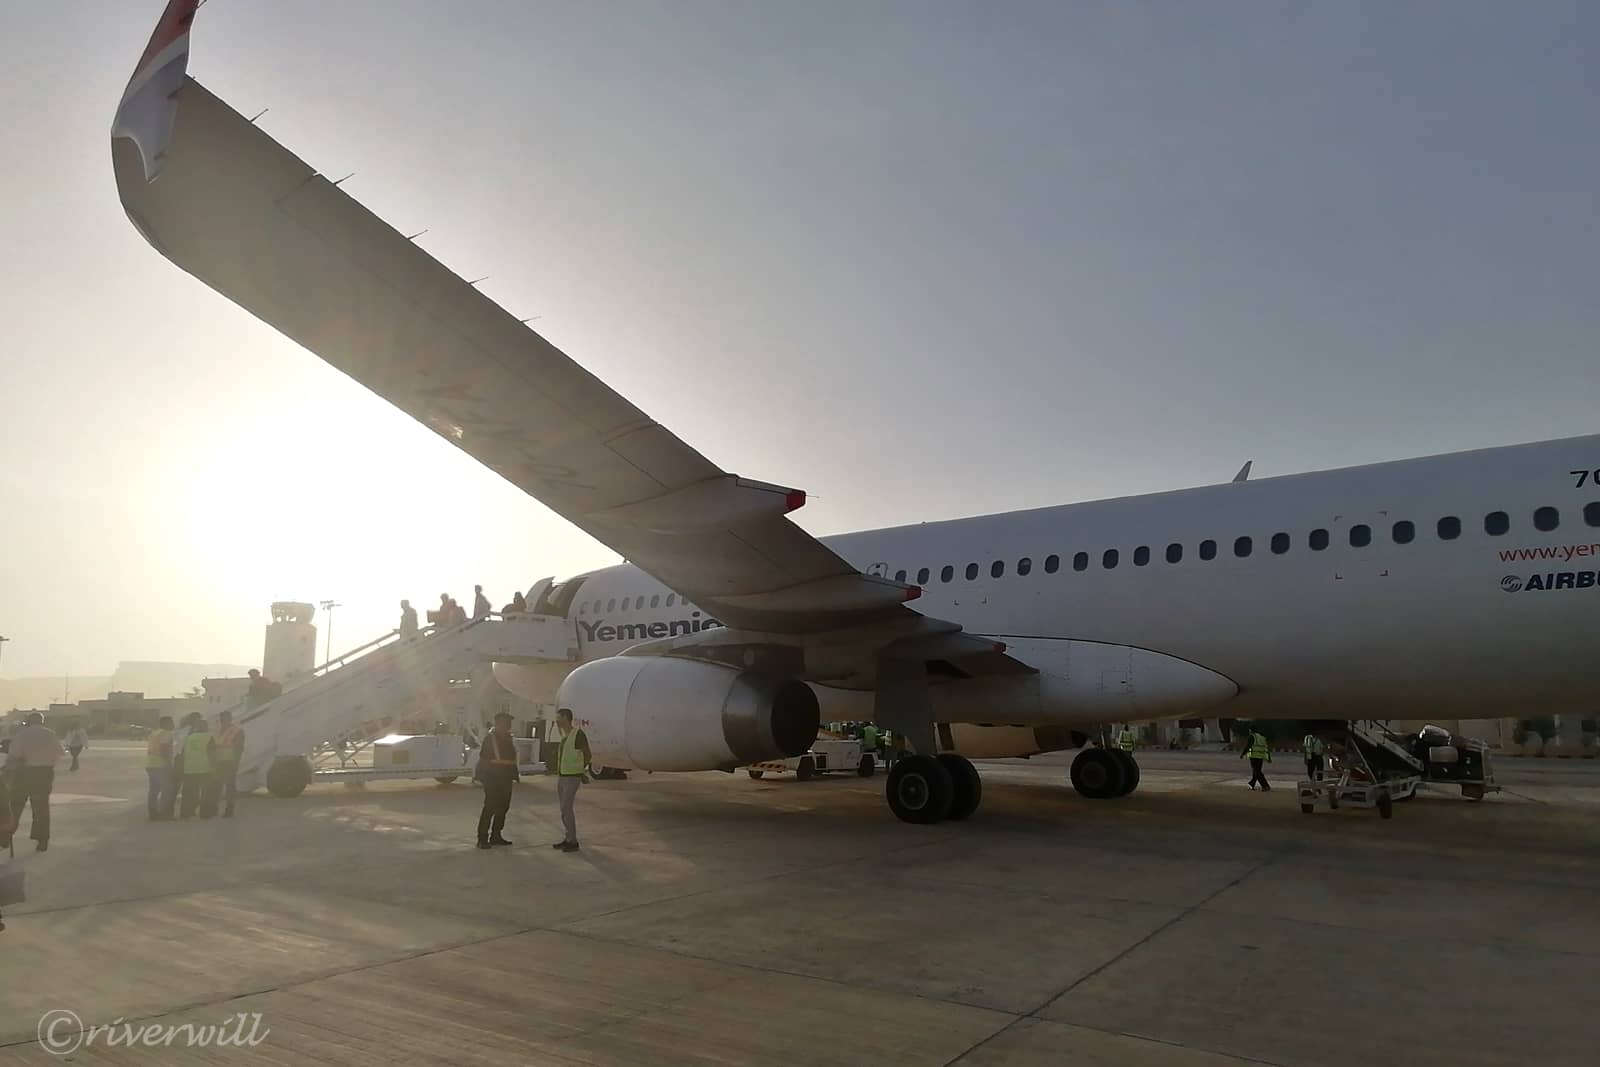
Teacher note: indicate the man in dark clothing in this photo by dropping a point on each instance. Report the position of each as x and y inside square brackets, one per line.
[259, 690]
[497, 770]
[31, 760]
[480, 603]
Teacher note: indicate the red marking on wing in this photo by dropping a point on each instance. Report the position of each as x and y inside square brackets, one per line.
[175, 22]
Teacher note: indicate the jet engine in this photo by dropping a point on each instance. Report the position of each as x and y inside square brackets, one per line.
[666, 714]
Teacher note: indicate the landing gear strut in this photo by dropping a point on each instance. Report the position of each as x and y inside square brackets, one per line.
[930, 789]
[922, 788]
[1102, 773]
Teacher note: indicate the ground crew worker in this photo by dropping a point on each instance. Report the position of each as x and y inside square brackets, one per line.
[158, 768]
[408, 620]
[1259, 752]
[180, 737]
[1126, 738]
[572, 760]
[497, 770]
[31, 759]
[76, 741]
[869, 739]
[1312, 747]
[198, 749]
[230, 750]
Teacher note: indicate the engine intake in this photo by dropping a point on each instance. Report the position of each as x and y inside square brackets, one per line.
[665, 714]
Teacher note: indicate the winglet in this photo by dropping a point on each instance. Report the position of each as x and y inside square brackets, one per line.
[148, 111]
[1244, 472]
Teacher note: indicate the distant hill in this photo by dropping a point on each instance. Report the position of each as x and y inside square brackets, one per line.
[151, 679]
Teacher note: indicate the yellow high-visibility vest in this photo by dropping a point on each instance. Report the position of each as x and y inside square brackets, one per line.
[1126, 739]
[152, 748]
[1259, 748]
[571, 761]
[1312, 744]
[197, 754]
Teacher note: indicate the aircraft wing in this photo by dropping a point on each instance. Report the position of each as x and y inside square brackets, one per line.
[228, 204]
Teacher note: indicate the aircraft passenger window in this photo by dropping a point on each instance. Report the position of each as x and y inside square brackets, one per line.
[1109, 558]
[1080, 562]
[671, 599]
[655, 601]
[1546, 519]
[1404, 532]
[611, 605]
[996, 569]
[1208, 550]
[1591, 513]
[1496, 523]
[1318, 540]
[899, 576]
[625, 603]
[1024, 566]
[1360, 535]
[947, 573]
[1242, 546]
[583, 609]
[922, 576]
[1280, 543]
[972, 571]
[1052, 564]
[1141, 556]
[1449, 528]
[1174, 552]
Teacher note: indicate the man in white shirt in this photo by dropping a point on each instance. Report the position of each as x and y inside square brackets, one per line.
[32, 760]
[77, 740]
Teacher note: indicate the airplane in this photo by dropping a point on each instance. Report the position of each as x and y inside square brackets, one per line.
[1466, 584]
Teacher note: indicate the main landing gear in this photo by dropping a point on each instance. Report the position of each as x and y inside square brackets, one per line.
[1102, 773]
[930, 789]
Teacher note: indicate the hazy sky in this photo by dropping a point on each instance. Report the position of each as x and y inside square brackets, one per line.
[919, 259]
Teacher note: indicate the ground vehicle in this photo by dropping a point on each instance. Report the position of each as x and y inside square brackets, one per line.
[827, 754]
[1378, 767]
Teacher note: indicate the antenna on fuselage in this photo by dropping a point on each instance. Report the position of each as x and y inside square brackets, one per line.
[1244, 472]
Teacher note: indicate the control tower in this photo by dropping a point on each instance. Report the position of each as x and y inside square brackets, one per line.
[290, 653]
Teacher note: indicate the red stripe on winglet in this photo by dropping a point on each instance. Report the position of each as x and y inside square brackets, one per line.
[913, 591]
[999, 646]
[175, 21]
[794, 500]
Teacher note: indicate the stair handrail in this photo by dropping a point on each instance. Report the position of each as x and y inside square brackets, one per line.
[432, 630]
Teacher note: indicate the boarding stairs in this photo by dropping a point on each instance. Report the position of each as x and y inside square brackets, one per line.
[347, 696]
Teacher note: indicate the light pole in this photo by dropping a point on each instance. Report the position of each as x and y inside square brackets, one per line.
[3, 641]
[328, 606]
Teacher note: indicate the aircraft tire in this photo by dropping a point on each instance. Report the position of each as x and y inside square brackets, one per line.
[919, 790]
[754, 774]
[1097, 773]
[806, 770]
[1130, 771]
[967, 785]
[288, 776]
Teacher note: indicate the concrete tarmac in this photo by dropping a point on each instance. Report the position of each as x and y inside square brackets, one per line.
[715, 919]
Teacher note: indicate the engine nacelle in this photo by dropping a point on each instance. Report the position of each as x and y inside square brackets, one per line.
[665, 714]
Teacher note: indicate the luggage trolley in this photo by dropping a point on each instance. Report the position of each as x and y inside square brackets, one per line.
[1379, 767]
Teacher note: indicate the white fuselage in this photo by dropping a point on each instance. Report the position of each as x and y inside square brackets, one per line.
[1476, 625]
